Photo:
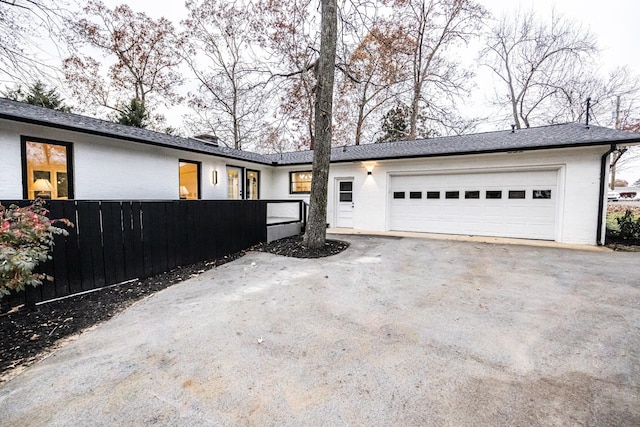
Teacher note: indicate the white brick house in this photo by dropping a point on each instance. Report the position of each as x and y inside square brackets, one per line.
[540, 183]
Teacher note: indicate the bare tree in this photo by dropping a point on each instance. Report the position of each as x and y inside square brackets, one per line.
[230, 102]
[290, 38]
[315, 235]
[146, 53]
[373, 74]
[535, 62]
[22, 24]
[434, 28]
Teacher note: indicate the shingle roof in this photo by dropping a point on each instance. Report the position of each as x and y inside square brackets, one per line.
[553, 136]
[23, 112]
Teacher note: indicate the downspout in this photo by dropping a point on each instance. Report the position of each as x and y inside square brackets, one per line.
[603, 179]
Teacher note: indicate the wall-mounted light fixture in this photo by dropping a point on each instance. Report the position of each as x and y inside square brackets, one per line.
[369, 167]
[214, 177]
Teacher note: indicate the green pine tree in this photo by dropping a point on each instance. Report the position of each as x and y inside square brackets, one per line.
[133, 114]
[38, 94]
[395, 124]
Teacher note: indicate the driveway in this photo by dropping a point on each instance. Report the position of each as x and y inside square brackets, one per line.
[393, 331]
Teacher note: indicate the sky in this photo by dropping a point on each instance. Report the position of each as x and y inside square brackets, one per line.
[614, 22]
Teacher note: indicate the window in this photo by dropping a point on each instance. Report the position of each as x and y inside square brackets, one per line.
[517, 194]
[253, 185]
[452, 195]
[189, 186]
[433, 194]
[234, 183]
[493, 194]
[415, 195]
[345, 191]
[541, 194]
[300, 182]
[471, 194]
[398, 194]
[46, 169]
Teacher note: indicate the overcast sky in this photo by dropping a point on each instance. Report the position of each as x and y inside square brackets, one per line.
[614, 22]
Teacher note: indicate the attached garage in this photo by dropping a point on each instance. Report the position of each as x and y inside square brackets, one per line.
[519, 204]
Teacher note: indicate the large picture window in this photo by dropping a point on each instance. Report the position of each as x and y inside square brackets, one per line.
[189, 180]
[46, 169]
[300, 182]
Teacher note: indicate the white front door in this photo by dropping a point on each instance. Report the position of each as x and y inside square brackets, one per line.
[344, 203]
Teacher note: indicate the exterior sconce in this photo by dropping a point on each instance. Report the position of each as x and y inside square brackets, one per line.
[214, 177]
[369, 172]
[369, 168]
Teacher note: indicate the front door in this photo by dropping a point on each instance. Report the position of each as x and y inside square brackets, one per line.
[344, 203]
[234, 183]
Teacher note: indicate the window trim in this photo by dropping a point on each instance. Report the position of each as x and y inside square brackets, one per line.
[23, 153]
[198, 172]
[291, 181]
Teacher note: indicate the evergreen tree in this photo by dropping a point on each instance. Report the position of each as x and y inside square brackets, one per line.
[38, 94]
[395, 124]
[133, 114]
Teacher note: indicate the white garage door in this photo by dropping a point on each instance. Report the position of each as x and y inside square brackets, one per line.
[506, 204]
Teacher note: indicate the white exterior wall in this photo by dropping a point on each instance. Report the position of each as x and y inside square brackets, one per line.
[112, 169]
[578, 185]
[107, 168]
[10, 164]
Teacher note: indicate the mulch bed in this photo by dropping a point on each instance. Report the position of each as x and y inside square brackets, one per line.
[292, 247]
[28, 333]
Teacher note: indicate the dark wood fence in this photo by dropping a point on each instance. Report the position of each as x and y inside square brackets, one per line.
[115, 241]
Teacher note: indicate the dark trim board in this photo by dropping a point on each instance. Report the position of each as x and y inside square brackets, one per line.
[70, 164]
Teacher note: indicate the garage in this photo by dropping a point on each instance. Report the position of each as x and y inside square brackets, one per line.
[518, 204]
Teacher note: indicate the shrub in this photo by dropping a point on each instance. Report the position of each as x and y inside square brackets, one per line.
[26, 237]
[629, 226]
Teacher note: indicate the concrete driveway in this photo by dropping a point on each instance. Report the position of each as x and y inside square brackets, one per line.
[394, 331]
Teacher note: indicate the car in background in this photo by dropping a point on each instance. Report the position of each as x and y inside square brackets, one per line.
[613, 196]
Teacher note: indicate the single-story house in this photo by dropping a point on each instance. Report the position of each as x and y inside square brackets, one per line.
[540, 183]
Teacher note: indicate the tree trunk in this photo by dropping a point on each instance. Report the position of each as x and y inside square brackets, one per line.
[316, 233]
[413, 118]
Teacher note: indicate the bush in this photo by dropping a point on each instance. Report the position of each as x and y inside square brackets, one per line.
[629, 226]
[26, 237]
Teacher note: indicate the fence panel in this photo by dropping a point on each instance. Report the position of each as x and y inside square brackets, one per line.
[115, 241]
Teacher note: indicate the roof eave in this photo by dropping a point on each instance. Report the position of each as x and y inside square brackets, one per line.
[121, 137]
[475, 152]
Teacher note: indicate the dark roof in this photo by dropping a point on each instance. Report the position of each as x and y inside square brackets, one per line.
[553, 136]
[23, 112]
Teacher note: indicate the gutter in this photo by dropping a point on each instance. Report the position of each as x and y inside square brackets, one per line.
[603, 176]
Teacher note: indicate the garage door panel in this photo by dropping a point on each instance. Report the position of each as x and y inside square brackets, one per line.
[508, 215]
